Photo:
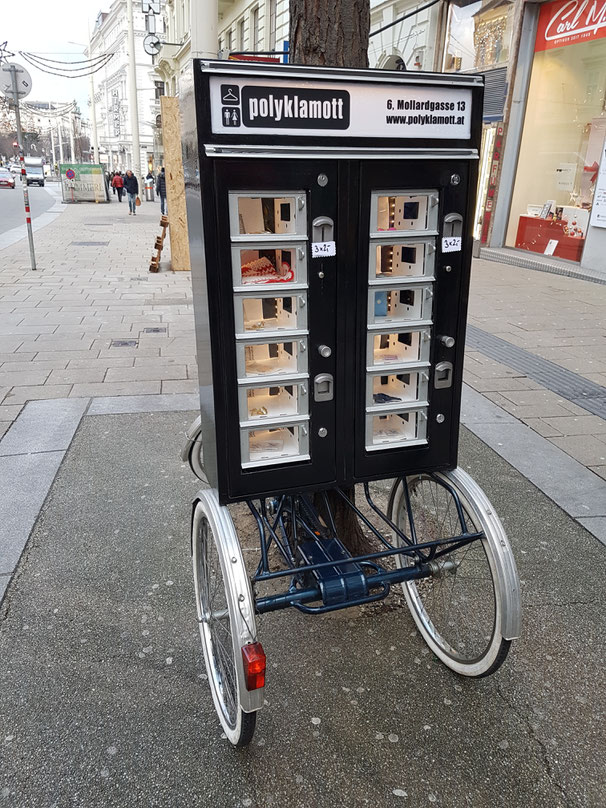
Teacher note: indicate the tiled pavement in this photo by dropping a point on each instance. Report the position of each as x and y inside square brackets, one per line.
[554, 317]
[61, 327]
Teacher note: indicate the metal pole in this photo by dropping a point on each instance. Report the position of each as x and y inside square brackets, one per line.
[28, 218]
[93, 108]
[52, 137]
[72, 142]
[60, 136]
[132, 82]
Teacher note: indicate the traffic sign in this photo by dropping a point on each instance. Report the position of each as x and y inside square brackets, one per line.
[70, 173]
[24, 80]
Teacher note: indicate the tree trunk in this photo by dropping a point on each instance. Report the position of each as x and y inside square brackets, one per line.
[333, 33]
[330, 33]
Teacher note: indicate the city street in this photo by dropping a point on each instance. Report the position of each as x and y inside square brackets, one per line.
[12, 213]
[103, 687]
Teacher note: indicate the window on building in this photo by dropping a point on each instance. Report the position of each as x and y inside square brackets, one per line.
[230, 40]
[272, 24]
[241, 34]
[255, 40]
[159, 89]
[479, 36]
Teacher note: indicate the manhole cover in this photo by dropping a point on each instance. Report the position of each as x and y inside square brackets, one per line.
[124, 343]
[89, 243]
[154, 330]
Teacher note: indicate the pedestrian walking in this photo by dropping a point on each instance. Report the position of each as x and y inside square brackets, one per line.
[118, 185]
[161, 190]
[131, 183]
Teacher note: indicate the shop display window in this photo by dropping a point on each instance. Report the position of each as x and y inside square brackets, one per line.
[562, 143]
[408, 259]
[397, 388]
[406, 212]
[396, 429]
[271, 358]
[258, 265]
[393, 305]
[274, 445]
[268, 313]
[267, 403]
[265, 215]
[398, 348]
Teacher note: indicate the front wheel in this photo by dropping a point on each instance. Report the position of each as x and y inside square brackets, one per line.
[468, 609]
[225, 616]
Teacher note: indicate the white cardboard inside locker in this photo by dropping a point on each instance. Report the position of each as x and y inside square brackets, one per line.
[397, 305]
[248, 213]
[407, 258]
[270, 310]
[407, 211]
[268, 264]
[265, 402]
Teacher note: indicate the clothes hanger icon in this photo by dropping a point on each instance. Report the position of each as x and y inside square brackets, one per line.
[230, 95]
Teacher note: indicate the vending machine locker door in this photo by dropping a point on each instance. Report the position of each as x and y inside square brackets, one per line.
[410, 314]
[278, 330]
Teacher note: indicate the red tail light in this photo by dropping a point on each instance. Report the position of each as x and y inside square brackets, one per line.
[253, 657]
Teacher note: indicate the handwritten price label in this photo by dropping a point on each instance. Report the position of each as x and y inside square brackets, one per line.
[323, 249]
[451, 244]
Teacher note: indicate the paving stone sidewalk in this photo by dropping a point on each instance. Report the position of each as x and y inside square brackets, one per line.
[553, 317]
[92, 321]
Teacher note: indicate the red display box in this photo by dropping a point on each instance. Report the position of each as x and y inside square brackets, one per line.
[534, 234]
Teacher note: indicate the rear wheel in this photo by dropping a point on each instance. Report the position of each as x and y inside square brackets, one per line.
[472, 591]
[225, 616]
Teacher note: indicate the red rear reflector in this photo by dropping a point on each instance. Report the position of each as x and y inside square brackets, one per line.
[253, 657]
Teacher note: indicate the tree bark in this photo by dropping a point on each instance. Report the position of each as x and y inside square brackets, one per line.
[330, 33]
[333, 33]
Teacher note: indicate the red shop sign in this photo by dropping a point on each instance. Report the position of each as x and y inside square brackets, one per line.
[566, 22]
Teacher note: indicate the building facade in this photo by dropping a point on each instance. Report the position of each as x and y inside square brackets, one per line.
[544, 115]
[112, 94]
[262, 25]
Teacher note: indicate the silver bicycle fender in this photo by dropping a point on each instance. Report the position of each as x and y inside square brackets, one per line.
[240, 601]
[507, 581]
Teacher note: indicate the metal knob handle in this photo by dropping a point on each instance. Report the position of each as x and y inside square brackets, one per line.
[324, 351]
[447, 341]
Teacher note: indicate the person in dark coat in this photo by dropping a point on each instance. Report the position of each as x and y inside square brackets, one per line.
[118, 185]
[131, 184]
[161, 190]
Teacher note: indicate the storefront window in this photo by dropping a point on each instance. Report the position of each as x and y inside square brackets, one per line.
[479, 36]
[563, 136]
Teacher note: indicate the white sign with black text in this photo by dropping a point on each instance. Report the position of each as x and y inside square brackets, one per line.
[268, 106]
[323, 249]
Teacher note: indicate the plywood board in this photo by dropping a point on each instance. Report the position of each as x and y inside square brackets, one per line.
[175, 184]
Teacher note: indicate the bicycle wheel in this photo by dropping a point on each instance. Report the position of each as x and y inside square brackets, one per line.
[468, 609]
[225, 616]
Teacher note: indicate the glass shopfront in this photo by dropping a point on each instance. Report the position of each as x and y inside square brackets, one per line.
[564, 131]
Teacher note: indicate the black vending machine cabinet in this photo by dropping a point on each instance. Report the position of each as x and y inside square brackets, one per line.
[330, 215]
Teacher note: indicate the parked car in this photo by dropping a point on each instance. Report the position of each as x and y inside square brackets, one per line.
[14, 168]
[6, 179]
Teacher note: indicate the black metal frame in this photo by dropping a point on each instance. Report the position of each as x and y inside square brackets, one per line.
[290, 522]
[345, 279]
